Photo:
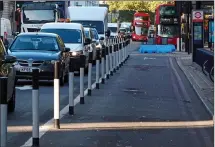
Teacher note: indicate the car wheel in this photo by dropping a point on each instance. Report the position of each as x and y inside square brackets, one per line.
[12, 102]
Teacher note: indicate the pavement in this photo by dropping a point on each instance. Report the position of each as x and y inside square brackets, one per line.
[201, 83]
[148, 102]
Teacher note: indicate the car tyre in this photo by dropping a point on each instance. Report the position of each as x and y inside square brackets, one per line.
[12, 102]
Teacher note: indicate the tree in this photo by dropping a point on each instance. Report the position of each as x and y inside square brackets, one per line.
[130, 6]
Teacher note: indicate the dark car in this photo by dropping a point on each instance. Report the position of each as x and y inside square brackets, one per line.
[7, 70]
[40, 50]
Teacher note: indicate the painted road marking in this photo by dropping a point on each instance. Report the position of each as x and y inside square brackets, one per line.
[26, 87]
[48, 125]
[147, 58]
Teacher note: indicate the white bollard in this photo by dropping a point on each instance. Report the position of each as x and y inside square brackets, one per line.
[107, 60]
[117, 54]
[111, 57]
[82, 66]
[114, 56]
[71, 85]
[35, 108]
[57, 95]
[178, 39]
[103, 65]
[97, 68]
[3, 99]
[90, 73]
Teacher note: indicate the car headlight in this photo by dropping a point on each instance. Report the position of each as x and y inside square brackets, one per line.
[76, 53]
[50, 62]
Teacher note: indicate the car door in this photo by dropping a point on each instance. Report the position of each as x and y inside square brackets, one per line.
[7, 70]
[64, 55]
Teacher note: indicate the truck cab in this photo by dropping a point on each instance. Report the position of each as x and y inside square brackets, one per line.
[35, 14]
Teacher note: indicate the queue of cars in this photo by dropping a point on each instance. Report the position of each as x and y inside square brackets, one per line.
[54, 42]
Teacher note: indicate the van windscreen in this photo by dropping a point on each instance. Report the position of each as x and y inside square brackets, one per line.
[98, 25]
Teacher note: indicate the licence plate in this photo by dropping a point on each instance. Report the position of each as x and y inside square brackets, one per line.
[25, 69]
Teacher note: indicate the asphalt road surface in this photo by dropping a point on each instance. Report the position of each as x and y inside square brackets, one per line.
[146, 89]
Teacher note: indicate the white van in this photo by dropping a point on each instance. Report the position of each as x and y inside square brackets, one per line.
[92, 17]
[6, 32]
[73, 37]
[113, 27]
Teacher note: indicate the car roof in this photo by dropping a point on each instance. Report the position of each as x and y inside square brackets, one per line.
[38, 34]
[62, 25]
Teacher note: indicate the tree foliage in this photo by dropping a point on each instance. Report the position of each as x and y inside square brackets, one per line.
[134, 5]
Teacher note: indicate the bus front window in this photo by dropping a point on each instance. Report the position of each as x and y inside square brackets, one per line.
[141, 31]
[169, 31]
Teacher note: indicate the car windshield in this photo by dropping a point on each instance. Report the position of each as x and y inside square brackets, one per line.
[87, 34]
[113, 29]
[169, 31]
[98, 25]
[35, 42]
[38, 16]
[95, 34]
[122, 30]
[67, 35]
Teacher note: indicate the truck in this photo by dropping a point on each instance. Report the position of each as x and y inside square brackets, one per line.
[35, 14]
[92, 17]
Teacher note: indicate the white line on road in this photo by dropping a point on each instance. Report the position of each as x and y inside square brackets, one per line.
[26, 87]
[47, 126]
[147, 58]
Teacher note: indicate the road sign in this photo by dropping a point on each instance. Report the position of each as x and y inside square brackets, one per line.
[198, 16]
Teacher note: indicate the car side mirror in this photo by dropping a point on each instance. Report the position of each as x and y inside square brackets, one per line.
[67, 49]
[15, 33]
[102, 38]
[87, 41]
[9, 59]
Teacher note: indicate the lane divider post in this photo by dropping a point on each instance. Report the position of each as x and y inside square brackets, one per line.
[114, 55]
[124, 51]
[121, 53]
[111, 57]
[82, 67]
[3, 99]
[107, 59]
[71, 85]
[35, 108]
[103, 65]
[117, 53]
[97, 68]
[57, 95]
[90, 74]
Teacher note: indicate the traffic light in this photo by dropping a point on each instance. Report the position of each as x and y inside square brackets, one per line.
[1, 5]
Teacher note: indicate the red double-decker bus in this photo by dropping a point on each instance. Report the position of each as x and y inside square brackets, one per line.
[166, 24]
[140, 26]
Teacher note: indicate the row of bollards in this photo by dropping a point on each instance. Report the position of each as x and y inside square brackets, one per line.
[112, 56]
